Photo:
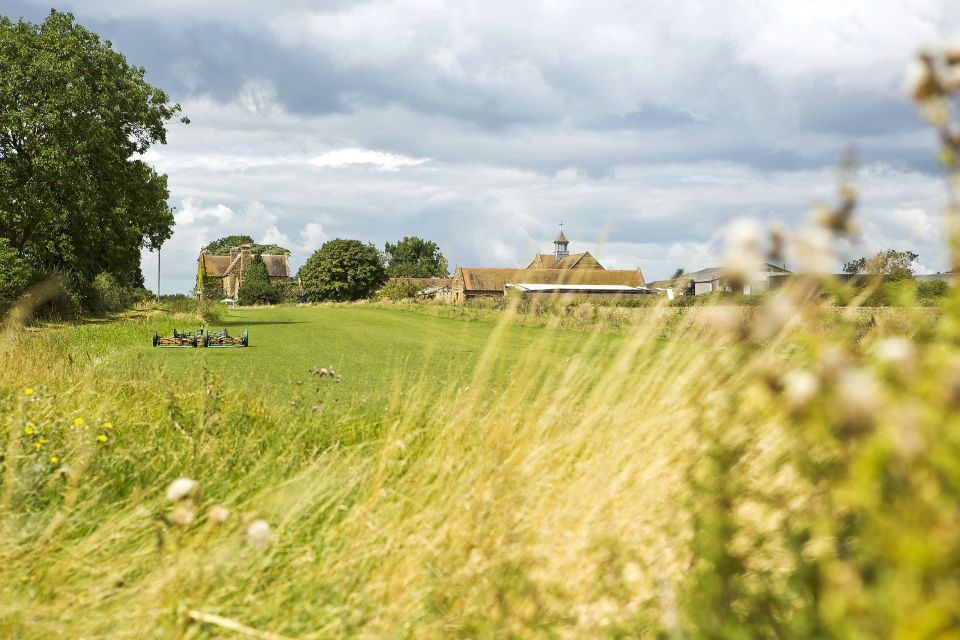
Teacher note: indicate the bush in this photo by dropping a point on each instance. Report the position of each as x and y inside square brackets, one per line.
[14, 275]
[398, 290]
[288, 291]
[108, 296]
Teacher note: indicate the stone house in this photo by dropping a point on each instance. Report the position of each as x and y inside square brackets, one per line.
[219, 276]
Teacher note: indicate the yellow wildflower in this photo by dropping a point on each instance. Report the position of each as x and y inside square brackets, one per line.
[29, 429]
[108, 425]
[37, 445]
[78, 422]
[42, 440]
[54, 459]
[28, 391]
[102, 437]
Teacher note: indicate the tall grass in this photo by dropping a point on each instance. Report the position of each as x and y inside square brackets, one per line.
[791, 471]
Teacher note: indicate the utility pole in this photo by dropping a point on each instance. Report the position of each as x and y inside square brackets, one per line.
[158, 274]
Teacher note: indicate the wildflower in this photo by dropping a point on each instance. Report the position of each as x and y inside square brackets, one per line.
[102, 437]
[37, 445]
[181, 488]
[78, 422]
[259, 534]
[42, 440]
[218, 514]
[29, 429]
[28, 391]
[108, 425]
[54, 459]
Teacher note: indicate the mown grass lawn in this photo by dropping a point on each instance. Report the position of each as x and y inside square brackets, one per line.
[377, 351]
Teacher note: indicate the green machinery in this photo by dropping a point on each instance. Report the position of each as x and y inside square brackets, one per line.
[223, 339]
[201, 338]
[179, 339]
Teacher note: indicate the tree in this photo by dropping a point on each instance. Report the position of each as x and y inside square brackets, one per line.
[678, 273]
[415, 257]
[74, 115]
[343, 270]
[896, 265]
[222, 246]
[256, 287]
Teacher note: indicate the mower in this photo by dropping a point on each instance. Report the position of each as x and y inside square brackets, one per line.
[179, 339]
[223, 339]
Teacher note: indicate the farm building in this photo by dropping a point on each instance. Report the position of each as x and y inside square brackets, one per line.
[219, 276]
[714, 279]
[561, 269]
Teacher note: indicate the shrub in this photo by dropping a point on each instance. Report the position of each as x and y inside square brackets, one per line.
[398, 290]
[14, 275]
[108, 296]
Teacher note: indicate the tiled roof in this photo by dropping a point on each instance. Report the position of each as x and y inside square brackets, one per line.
[276, 266]
[216, 265]
[481, 279]
[543, 261]
[219, 266]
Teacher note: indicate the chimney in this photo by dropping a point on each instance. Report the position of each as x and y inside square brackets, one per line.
[234, 252]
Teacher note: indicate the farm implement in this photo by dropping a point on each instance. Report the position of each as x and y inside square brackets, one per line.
[201, 338]
[179, 339]
[223, 339]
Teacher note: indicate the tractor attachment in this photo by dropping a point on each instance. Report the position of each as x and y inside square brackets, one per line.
[223, 339]
[179, 339]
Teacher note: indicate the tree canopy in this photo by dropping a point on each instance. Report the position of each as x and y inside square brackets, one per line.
[343, 270]
[415, 257]
[222, 246]
[894, 264]
[74, 116]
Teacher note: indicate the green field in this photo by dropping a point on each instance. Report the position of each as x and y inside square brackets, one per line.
[376, 350]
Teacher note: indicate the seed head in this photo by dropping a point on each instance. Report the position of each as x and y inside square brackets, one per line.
[182, 488]
[897, 352]
[218, 514]
[799, 388]
[259, 534]
[858, 399]
[183, 513]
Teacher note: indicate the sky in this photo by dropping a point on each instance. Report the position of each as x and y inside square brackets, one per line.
[649, 127]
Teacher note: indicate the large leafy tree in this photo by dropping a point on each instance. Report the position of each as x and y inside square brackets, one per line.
[343, 270]
[894, 264]
[74, 117]
[415, 257]
[222, 246]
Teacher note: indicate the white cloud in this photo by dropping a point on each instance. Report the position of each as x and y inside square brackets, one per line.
[381, 159]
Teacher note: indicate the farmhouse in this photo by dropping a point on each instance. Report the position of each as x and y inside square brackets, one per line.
[561, 269]
[219, 276]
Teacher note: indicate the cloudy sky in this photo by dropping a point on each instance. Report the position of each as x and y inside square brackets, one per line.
[647, 126]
